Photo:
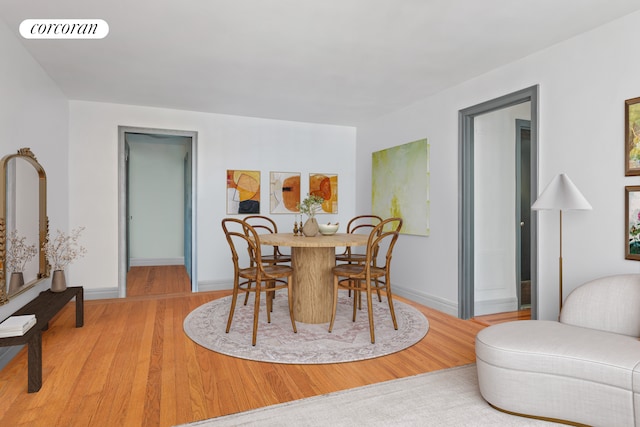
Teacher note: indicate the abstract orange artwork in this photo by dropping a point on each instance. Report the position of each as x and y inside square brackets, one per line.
[284, 192]
[243, 192]
[325, 186]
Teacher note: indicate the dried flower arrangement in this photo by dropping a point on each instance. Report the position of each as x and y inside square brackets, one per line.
[311, 205]
[64, 249]
[18, 252]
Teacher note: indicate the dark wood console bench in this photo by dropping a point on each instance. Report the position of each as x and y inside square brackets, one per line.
[44, 306]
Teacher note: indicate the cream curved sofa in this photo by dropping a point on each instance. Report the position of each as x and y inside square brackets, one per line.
[583, 369]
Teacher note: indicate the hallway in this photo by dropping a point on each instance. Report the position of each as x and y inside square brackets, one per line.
[157, 280]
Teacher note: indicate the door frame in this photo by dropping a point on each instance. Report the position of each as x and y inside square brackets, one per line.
[466, 195]
[521, 125]
[123, 232]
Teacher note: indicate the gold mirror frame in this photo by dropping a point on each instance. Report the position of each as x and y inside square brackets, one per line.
[43, 221]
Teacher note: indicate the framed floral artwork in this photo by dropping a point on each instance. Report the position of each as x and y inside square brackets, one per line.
[632, 137]
[632, 222]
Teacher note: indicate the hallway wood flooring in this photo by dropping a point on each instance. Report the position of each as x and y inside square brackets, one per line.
[157, 280]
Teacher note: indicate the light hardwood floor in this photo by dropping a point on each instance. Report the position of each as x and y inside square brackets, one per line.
[509, 316]
[157, 280]
[132, 365]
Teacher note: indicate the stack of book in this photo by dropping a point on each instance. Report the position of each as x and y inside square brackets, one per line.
[16, 326]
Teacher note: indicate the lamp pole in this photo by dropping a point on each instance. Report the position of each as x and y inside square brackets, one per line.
[560, 262]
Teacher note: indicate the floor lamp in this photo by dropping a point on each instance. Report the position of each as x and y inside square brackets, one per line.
[561, 195]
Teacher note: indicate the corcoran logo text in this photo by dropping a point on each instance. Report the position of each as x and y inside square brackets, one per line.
[64, 29]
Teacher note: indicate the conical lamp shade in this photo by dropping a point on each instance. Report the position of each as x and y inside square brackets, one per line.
[561, 194]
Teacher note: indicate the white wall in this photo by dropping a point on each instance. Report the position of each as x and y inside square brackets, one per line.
[583, 83]
[224, 142]
[33, 113]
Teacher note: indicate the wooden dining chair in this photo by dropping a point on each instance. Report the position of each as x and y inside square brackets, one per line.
[241, 235]
[374, 274]
[359, 224]
[264, 224]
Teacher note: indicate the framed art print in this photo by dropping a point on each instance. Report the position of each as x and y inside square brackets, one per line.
[243, 192]
[284, 192]
[325, 186]
[632, 222]
[632, 137]
[400, 185]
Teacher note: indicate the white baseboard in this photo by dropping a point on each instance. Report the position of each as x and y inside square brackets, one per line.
[500, 305]
[147, 262]
[419, 297]
[436, 303]
[215, 285]
[480, 307]
[112, 293]
[100, 293]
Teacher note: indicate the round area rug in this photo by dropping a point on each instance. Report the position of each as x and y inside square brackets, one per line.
[313, 344]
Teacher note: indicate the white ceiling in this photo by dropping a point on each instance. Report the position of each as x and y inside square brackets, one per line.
[323, 61]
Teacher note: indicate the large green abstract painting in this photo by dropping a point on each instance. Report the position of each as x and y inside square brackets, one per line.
[400, 185]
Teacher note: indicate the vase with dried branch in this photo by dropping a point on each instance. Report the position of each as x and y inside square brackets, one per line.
[310, 206]
[19, 253]
[62, 251]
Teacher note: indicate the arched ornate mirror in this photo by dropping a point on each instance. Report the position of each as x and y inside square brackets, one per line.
[24, 224]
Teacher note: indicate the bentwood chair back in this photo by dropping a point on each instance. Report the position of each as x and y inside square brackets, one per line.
[242, 236]
[264, 224]
[372, 275]
[358, 224]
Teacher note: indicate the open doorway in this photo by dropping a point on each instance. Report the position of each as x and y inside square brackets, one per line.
[525, 198]
[497, 230]
[157, 211]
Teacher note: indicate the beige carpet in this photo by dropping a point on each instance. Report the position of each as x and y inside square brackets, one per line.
[313, 344]
[443, 398]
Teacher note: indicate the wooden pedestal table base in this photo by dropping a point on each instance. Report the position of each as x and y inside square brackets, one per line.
[312, 283]
[313, 259]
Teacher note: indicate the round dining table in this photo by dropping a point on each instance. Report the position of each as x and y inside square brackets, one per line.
[312, 260]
